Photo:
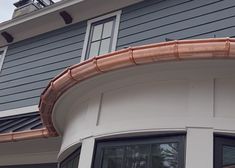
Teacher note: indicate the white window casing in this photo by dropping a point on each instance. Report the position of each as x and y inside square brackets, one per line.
[117, 16]
[2, 56]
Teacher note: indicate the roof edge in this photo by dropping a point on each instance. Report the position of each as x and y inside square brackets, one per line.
[24, 135]
[44, 11]
[217, 48]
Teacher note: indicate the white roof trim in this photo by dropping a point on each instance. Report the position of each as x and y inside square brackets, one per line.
[17, 111]
[44, 11]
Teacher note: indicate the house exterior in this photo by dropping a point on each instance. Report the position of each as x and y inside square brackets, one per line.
[118, 84]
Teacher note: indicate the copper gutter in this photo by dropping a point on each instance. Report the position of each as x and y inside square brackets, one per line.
[223, 48]
[24, 135]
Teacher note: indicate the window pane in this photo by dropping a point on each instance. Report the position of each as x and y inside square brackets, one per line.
[108, 27]
[113, 158]
[75, 162]
[165, 155]
[228, 156]
[94, 49]
[1, 53]
[142, 153]
[137, 156]
[72, 160]
[105, 45]
[97, 32]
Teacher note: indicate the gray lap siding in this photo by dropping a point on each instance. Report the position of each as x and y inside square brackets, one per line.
[30, 64]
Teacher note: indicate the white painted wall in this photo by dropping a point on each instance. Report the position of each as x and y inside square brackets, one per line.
[196, 97]
[36, 151]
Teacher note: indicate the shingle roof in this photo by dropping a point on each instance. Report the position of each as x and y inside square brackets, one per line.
[19, 123]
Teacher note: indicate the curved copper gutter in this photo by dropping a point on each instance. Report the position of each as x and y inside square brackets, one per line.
[24, 135]
[223, 48]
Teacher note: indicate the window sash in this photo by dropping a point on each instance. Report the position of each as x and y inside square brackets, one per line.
[101, 146]
[219, 143]
[99, 41]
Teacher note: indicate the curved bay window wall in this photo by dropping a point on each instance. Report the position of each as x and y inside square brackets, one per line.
[157, 152]
[224, 152]
[72, 160]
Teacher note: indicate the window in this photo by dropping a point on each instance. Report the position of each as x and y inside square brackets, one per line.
[2, 55]
[160, 152]
[224, 152]
[72, 160]
[101, 35]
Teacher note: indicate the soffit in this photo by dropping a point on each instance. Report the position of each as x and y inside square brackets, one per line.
[48, 19]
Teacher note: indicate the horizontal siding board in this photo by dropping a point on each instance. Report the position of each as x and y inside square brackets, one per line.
[50, 37]
[24, 88]
[46, 42]
[227, 32]
[49, 47]
[61, 60]
[19, 104]
[157, 7]
[214, 18]
[39, 70]
[203, 13]
[56, 54]
[186, 28]
[30, 79]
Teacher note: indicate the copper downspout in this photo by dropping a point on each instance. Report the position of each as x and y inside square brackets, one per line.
[24, 135]
[223, 48]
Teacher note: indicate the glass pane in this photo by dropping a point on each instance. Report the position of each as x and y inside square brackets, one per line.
[113, 158]
[75, 162]
[165, 155]
[94, 49]
[104, 48]
[1, 53]
[137, 156]
[108, 27]
[97, 32]
[228, 157]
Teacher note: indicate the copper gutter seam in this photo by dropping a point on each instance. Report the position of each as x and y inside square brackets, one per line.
[227, 47]
[24, 135]
[167, 51]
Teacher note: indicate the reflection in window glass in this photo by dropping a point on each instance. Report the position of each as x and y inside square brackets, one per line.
[104, 48]
[140, 154]
[97, 32]
[228, 156]
[108, 27]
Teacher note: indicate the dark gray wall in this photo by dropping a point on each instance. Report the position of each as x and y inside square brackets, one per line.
[155, 20]
[30, 64]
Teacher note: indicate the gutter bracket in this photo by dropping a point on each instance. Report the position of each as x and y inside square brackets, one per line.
[66, 17]
[8, 37]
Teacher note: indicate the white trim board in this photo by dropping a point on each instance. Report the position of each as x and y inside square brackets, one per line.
[115, 34]
[4, 49]
[17, 111]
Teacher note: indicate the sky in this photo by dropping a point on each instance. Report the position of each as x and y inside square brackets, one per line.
[7, 8]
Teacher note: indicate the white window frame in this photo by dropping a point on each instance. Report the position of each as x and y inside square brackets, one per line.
[4, 49]
[116, 14]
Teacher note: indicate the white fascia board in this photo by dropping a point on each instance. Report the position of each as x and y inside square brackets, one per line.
[44, 11]
[17, 111]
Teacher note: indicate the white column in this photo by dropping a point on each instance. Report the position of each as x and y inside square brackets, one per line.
[86, 155]
[199, 148]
